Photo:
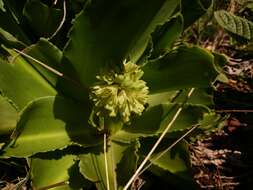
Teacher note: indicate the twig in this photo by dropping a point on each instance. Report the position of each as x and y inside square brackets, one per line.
[234, 111]
[169, 148]
[157, 143]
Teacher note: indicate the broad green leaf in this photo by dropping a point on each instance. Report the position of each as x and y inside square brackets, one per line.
[193, 10]
[20, 82]
[165, 35]
[50, 55]
[176, 160]
[246, 4]
[108, 31]
[235, 24]
[2, 6]
[1, 145]
[51, 169]
[211, 121]
[221, 60]
[171, 181]
[8, 116]
[163, 97]
[121, 164]
[199, 97]
[174, 165]
[16, 9]
[42, 19]
[76, 179]
[250, 6]
[9, 40]
[127, 164]
[154, 120]
[51, 123]
[9, 23]
[185, 67]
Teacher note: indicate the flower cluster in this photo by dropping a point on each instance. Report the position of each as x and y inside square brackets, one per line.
[120, 94]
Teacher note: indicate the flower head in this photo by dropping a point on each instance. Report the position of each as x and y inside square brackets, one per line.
[120, 94]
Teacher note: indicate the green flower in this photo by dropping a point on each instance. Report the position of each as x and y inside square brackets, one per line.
[120, 94]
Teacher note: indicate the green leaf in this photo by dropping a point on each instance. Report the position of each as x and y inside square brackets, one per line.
[1, 145]
[155, 120]
[8, 116]
[49, 54]
[46, 22]
[2, 6]
[10, 24]
[235, 24]
[127, 164]
[174, 165]
[76, 179]
[51, 123]
[199, 97]
[51, 169]
[176, 161]
[185, 67]
[121, 164]
[211, 121]
[20, 82]
[171, 181]
[246, 3]
[16, 9]
[108, 31]
[193, 10]
[9, 40]
[220, 61]
[159, 98]
[165, 35]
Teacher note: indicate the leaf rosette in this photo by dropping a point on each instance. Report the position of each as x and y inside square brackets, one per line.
[51, 112]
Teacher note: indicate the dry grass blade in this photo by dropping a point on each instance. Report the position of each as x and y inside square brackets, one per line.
[62, 21]
[168, 149]
[41, 63]
[157, 142]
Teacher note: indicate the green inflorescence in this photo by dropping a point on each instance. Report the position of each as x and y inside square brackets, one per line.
[120, 94]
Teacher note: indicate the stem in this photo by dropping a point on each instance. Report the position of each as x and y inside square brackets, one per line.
[114, 169]
[169, 148]
[106, 165]
[157, 142]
